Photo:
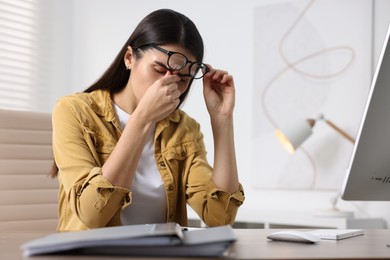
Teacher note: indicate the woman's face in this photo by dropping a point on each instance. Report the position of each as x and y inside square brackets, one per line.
[151, 66]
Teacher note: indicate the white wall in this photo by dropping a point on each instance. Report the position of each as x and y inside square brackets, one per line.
[100, 28]
[59, 26]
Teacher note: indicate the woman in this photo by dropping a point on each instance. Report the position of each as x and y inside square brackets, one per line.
[126, 154]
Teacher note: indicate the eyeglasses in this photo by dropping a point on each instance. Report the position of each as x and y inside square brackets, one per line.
[177, 61]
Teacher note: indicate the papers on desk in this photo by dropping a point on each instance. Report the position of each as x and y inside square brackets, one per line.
[165, 239]
[336, 234]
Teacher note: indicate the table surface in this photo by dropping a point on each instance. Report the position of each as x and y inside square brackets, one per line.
[250, 244]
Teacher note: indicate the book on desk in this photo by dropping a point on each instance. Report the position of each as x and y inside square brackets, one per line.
[163, 239]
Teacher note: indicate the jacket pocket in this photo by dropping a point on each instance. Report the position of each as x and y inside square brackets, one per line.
[100, 144]
[181, 151]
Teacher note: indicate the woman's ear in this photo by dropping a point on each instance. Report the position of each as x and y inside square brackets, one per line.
[128, 59]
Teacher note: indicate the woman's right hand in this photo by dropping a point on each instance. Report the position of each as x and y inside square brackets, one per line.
[160, 99]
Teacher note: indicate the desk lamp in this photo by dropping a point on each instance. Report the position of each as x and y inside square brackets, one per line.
[294, 134]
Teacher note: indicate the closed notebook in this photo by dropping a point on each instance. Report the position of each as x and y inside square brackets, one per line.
[336, 234]
[163, 239]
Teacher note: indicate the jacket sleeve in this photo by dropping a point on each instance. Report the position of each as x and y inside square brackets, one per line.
[91, 197]
[214, 205]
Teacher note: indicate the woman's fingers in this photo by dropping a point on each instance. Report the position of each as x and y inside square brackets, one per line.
[220, 76]
[162, 98]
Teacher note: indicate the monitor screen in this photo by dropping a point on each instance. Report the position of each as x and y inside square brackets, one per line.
[368, 175]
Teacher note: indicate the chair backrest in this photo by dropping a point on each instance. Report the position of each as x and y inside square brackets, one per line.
[28, 196]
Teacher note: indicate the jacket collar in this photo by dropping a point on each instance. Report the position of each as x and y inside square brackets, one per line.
[101, 103]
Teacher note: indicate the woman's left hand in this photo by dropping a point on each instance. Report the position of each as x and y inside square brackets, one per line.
[219, 92]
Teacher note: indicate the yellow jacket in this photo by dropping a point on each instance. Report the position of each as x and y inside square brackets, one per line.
[85, 131]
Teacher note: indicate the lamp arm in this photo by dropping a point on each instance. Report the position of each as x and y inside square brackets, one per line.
[340, 131]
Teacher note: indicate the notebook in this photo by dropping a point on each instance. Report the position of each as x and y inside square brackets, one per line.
[336, 234]
[163, 239]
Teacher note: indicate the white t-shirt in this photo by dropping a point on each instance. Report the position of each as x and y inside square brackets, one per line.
[149, 203]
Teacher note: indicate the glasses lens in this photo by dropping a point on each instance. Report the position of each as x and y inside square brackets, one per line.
[177, 61]
[197, 70]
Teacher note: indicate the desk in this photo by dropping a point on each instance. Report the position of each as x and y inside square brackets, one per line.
[251, 244]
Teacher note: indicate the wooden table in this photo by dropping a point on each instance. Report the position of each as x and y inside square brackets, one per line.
[251, 244]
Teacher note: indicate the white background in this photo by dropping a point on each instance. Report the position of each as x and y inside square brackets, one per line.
[332, 60]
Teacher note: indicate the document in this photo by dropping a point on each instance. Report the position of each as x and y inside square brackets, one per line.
[163, 239]
[336, 234]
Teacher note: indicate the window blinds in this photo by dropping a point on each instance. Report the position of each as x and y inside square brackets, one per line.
[19, 54]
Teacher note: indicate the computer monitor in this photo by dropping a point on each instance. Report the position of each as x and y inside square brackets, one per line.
[368, 175]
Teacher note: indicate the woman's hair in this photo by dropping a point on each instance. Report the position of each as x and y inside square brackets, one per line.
[160, 27]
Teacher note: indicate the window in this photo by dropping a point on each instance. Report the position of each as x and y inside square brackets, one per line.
[19, 41]
[35, 53]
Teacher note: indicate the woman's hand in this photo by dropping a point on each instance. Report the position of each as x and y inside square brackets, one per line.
[219, 93]
[160, 99]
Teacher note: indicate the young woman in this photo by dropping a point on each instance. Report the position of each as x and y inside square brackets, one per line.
[125, 152]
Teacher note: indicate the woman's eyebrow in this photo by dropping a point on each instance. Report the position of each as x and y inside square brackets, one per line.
[161, 64]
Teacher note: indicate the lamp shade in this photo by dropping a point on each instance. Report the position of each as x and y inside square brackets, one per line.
[292, 135]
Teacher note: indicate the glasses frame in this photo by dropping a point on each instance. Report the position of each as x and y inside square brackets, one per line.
[187, 61]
